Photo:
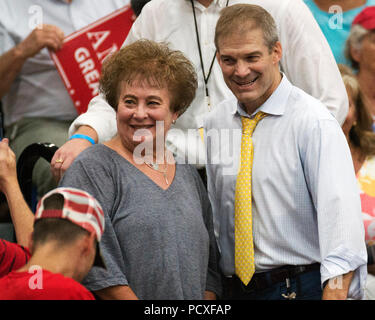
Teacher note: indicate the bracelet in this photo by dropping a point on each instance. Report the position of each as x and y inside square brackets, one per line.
[82, 136]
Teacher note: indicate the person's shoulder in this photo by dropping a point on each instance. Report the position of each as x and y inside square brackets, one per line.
[275, 8]
[192, 176]
[306, 106]
[151, 6]
[97, 151]
[186, 168]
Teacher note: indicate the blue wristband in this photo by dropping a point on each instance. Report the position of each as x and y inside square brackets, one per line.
[82, 136]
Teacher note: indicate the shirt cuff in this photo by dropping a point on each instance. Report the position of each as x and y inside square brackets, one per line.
[341, 261]
[94, 284]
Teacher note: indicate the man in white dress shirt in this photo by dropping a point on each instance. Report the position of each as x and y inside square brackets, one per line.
[306, 226]
[188, 26]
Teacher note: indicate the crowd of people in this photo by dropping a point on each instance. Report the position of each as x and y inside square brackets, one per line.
[229, 154]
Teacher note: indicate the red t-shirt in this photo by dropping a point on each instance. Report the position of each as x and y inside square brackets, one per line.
[12, 257]
[41, 285]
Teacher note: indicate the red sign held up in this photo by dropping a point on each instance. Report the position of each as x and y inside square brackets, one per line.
[80, 60]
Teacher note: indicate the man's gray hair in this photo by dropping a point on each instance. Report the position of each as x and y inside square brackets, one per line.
[355, 38]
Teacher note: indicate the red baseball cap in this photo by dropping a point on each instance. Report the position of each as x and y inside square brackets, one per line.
[80, 208]
[366, 18]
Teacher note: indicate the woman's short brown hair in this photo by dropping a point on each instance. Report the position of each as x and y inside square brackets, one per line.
[157, 65]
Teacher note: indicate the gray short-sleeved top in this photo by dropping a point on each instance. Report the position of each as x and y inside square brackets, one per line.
[159, 242]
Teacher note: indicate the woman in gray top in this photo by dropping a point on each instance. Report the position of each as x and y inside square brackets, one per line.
[159, 241]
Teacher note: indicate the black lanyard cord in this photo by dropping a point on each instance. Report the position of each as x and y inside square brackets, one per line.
[200, 50]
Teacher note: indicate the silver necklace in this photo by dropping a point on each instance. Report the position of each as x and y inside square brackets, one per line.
[155, 166]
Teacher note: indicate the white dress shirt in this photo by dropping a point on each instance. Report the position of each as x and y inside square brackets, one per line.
[38, 90]
[306, 204]
[307, 61]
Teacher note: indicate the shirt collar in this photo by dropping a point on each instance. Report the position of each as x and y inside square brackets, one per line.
[220, 3]
[274, 105]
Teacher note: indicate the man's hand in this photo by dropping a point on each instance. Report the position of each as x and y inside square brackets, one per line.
[209, 295]
[8, 168]
[337, 288]
[47, 36]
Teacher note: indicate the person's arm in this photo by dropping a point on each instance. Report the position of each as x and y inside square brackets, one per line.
[116, 293]
[330, 178]
[11, 62]
[338, 287]
[22, 217]
[308, 61]
[70, 150]
[98, 123]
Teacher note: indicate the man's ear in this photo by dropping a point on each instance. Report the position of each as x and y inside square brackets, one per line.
[277, 52]
[218, 58]
[88, 242]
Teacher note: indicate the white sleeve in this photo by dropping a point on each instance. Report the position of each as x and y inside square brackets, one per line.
[329, 172]
[145, 26]
[100, 116]
[308, 61]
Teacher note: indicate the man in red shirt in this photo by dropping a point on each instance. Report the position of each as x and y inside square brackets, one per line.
[68, 225]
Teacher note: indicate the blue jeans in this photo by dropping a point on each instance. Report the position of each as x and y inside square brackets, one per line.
[305, 286]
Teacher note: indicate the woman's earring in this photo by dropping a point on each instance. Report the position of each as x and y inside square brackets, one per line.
[173, 121]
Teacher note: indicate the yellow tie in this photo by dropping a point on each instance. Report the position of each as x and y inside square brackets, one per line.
[243, 226]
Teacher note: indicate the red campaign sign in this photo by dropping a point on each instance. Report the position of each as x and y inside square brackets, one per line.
[80, 59]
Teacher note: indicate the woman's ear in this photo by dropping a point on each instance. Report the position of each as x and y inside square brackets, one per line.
[175, 117]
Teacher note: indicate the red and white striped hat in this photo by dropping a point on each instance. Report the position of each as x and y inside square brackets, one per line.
[80, 208]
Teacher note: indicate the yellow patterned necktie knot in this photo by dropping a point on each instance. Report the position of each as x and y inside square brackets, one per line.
[243, 224]
[248, 125]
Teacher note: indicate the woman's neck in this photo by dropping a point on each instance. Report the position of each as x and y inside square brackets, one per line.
[158, 156]
[344, 4]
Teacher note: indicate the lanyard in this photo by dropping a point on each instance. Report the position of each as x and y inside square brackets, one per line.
[201, 56]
